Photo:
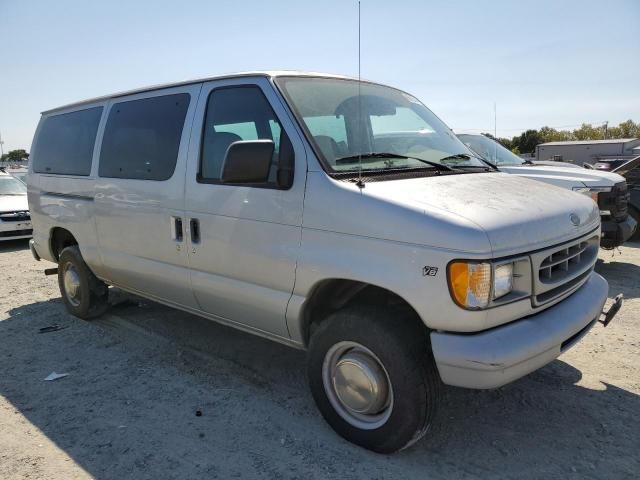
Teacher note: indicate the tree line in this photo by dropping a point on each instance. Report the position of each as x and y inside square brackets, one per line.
[526, 142]
[14, 156]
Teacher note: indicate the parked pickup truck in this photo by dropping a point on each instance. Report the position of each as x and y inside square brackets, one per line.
[630, 170]
[323, 213]
[608, 190]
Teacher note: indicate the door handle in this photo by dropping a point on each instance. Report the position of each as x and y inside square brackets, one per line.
[194, 225]
[177, 231]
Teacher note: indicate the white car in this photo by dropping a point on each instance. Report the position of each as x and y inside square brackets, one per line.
[608, 190]
[15, 221]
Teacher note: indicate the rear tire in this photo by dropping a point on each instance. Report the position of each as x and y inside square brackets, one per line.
[394, 350]
[84, 295]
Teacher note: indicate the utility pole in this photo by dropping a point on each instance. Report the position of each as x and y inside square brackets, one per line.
[605, 128]
[1, 143]
[495, 134]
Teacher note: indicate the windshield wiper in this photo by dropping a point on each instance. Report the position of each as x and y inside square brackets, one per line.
[465, 156]
[378, 155]
[457, 156]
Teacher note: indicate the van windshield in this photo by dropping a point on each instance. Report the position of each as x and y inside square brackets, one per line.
[11, 186]
[384, 128]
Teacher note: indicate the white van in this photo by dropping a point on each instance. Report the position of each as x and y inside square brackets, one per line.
[330, 215]
[608, 190]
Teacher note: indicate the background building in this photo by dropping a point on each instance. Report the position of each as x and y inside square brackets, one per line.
[588, 151]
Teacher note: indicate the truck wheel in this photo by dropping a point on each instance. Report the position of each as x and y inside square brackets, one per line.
[84, 295]
[373, 377]
[636, 216]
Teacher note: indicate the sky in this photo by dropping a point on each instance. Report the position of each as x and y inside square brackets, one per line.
[556, 63]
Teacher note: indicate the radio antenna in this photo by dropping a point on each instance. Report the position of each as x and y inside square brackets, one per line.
[359, 136]
[495, 134]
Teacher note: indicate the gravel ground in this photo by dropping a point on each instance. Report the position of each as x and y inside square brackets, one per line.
[139, 376]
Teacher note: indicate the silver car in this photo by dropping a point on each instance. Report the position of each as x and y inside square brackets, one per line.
[331, 215]
[15, 221]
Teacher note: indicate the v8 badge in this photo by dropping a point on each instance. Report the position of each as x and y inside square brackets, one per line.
[428, 271]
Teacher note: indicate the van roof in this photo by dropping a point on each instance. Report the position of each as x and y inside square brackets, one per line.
[261, 73]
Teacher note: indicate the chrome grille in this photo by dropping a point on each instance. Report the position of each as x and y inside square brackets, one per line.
[563, 268]
[19, 216]
[560, 263]
[616, 201]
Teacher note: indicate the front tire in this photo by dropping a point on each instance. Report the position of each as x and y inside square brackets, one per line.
[373, 377]
[84, 295]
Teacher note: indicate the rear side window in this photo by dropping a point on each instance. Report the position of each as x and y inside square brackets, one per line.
[142, 138]
[65, 143]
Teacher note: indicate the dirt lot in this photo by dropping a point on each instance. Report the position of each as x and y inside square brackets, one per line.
[138, 376]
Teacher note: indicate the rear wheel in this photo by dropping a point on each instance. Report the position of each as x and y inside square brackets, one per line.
[373, 378]
[84, 295]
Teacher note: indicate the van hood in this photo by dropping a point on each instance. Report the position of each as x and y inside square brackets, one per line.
[516, 214]
[567, 177]
[13, 203]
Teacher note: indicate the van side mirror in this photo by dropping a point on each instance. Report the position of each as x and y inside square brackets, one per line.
[248, 162]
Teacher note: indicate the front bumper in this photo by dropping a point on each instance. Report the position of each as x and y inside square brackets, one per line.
[615, 234]
[15, 230]
[498, 356]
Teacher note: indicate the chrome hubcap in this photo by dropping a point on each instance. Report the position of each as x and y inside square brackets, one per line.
[71, 281]
[357, 385]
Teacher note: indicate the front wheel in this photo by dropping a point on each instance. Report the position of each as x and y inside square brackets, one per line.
[373, 378]
[84, 295]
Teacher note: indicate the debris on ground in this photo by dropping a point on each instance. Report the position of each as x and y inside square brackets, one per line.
[55, 376]
[52, 328]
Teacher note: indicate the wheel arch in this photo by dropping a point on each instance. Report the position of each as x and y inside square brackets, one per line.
[59, 239]
[330, 295]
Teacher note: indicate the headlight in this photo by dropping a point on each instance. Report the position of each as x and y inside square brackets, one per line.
[502, 280]
[474, 284]
[591, 191]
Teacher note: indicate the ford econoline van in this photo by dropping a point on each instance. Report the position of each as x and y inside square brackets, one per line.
[331, 215]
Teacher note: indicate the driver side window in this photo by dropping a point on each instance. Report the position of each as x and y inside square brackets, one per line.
[235, 114]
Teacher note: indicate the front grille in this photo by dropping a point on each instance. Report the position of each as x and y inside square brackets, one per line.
[563, 268]
[559, 290]
[615, 201]
[18, 216]
[560, 263]
[16, 233]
